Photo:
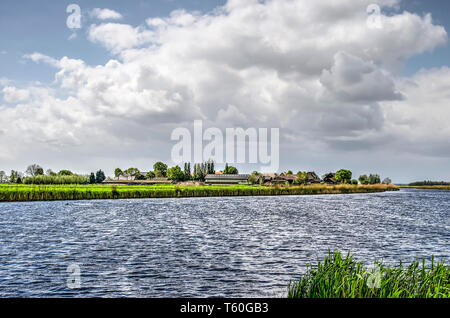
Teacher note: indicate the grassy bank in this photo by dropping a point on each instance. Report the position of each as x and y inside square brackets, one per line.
[436, 187]
[339, 277]
[13, 192]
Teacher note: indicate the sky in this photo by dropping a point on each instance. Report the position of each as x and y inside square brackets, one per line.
[343, 93]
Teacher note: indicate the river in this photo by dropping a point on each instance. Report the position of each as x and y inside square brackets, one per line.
[208, 247]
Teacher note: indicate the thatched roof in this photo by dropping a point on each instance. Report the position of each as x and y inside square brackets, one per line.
[330, 178]
[312, 177]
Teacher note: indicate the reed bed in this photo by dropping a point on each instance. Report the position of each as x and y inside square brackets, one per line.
[339, 277]
[52, 180]
[431, 187]
[13, 192]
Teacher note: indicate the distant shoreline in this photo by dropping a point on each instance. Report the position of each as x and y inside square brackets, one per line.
[27, 193]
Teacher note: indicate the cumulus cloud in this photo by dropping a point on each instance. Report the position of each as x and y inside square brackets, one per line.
[14, 95]
[118, 37]
[419, 124]
[314, 69]
[105, 14]
[353, 80]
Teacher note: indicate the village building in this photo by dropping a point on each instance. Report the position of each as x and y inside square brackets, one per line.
[312, 178]
[330, 178]
[274, 179]
[226, 179]
[131, 178]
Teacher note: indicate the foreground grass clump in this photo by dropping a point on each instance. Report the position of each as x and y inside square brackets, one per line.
[12, 192]
[430, 187]
[339, 277]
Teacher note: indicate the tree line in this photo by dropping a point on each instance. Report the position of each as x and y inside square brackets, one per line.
[429, 183]
[34, 174]
[342, 176]
[161, 170]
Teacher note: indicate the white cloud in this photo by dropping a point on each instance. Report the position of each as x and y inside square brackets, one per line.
[105, 14]
[118, 37]
[353, 80]
[39, 57]
[14, 95]
[419, 124]
[312, 68]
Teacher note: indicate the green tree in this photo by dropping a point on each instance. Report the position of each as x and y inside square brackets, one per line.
[3, 176]
[34, 170]
[344, 176]
[374, 179]
[355, 182]
[65, 173]
[387, 181]
[289, 173]
[99, 176]
[302, 177]
[118, 173]
[175, 174]
[13, 176]
[230, 170]
[254, 177]
[50, 172]
[139, 176]
[199, 174]
[92, 178]
[364, 179]
[133, 172]
[150, 175]
[187, 171]
[160, 169]
[203, 168]
[209, 167]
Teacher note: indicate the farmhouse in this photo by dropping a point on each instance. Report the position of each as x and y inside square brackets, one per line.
[274, 179]
[132, 178]
[226, 179]
[138, 182]
[330, 178]
[312, 177]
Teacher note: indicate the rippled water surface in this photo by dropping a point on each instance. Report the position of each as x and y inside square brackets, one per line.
[202, 247]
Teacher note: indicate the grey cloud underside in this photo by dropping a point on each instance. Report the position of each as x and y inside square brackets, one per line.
[313, 69]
